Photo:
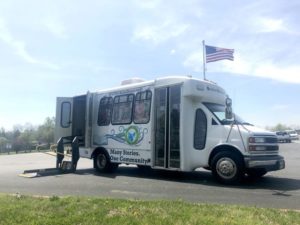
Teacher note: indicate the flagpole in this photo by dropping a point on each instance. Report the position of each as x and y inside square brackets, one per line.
[204, 60]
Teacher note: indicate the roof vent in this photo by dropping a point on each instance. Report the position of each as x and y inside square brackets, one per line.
[133, 80]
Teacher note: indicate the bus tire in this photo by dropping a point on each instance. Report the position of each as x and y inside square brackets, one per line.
[255, 173]
[227, 167]
[102, 162]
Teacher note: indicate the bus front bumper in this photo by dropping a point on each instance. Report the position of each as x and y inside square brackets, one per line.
[269, 163]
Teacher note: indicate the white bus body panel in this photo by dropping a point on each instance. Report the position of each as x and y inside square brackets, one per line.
[125, 143]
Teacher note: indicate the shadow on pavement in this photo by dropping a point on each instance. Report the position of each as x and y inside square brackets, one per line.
[279, 185]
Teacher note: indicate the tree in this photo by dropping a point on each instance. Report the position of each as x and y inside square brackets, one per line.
[45, 132]
[2, 132]
[279, 127]
[16, 142]
[26, 138]
[3, 142]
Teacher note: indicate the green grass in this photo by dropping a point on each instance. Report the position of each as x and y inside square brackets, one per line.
[84, 210]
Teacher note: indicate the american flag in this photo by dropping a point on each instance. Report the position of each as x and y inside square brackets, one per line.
[215, 53]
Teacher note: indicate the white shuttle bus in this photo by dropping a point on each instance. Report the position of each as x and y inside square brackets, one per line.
[171, 123]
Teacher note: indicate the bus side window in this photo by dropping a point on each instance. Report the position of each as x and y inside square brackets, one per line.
[200, 130]
[142, 106]
[122, 109]
[104, 112]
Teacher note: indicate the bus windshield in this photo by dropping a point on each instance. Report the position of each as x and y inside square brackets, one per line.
[219, 111]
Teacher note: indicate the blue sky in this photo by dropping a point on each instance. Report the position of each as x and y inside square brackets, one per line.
[56, 48]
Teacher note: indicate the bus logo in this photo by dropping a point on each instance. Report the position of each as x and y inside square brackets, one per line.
[132, 135]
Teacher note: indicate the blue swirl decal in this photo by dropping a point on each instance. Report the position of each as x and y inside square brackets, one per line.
[133, 136]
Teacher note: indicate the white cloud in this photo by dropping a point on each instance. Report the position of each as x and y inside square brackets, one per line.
[19, 47]
[239, 65]
[147, 4]
[245, 66]
[161, 32]
[173, 52]
[194, 61]
[56, 27]
[280, 107]
[271, 25]
[289, 74]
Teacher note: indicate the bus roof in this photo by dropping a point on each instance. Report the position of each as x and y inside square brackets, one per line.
[162, 81]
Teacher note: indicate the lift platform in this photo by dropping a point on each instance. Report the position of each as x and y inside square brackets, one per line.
[62, 166]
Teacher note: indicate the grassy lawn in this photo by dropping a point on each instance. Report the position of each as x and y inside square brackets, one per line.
[85, 210]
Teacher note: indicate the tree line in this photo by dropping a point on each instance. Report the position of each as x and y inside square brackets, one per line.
[27, 137]
[279, 127]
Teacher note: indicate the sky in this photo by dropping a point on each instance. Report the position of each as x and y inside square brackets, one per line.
[56, 48]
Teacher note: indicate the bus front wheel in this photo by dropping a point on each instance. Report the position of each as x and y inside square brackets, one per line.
[227, 167]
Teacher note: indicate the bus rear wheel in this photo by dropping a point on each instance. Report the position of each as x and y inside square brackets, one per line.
[102, 163]
[227, 167]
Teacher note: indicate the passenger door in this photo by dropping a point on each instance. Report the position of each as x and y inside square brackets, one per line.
[167, 127]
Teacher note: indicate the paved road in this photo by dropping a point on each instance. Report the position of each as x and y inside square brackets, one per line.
[279, 189]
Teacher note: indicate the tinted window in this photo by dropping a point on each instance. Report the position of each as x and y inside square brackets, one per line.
[122, 109]
[104, 112]
[174, 124]
[200, 130]
[142, 107]
[65, 114]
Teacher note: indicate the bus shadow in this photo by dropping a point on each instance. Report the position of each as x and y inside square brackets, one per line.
[279, 185]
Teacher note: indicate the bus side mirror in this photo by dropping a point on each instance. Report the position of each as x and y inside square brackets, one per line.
[228, 109]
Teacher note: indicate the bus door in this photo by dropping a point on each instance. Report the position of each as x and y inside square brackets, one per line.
[78, 118]
[167, 127]
[63, 119]
[70, 117]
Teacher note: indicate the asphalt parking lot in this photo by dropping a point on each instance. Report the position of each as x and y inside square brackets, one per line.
[280, 189]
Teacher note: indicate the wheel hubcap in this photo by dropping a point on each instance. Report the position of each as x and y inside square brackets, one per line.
[226, 168]
[101, 161]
